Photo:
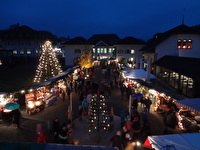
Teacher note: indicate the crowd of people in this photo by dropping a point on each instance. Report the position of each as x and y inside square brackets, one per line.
[135, 125]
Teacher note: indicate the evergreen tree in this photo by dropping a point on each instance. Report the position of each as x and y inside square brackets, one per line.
[48, 64]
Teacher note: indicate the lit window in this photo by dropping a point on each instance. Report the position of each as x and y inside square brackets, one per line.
[184, 44]
[189, 44]
[93, 50]
[131, 59]
[98, 50]
[132, 51]
[15, 52]
[28, 51]
[105, 50]
[111, 50]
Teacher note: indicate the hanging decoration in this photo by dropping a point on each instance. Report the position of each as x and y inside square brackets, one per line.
[48, 64]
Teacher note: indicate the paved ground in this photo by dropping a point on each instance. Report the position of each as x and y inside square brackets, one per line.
[27, 132]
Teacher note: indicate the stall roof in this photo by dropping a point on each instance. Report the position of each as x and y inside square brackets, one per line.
[55, 78]
[175, 141]
[138, 74]
[193, 103]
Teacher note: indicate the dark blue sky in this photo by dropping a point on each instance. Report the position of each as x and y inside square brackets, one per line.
[138, 18]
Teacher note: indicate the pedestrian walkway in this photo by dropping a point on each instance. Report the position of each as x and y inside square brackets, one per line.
[81, 133]
[27, 132]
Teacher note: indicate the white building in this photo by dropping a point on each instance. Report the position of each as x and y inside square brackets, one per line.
[175, 55]
[182, 41]
[104, 46]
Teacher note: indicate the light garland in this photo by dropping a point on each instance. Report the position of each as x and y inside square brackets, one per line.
[99, 117]
[48, 64]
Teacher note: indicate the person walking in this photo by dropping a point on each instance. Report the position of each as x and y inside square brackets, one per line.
[63, 134]
[85, 106]
[148, 103]
[42, 138]
[16, 117]
[145, 115]
[117, 140]
[68, 92]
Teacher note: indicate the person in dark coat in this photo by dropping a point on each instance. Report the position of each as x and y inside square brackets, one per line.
[68, 92]
[117, 140]
[56, 128]
[16, 117]
[63, 134]
[148, 103]
[135, 103]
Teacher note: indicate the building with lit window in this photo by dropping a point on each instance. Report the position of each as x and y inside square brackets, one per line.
[104, 46]
[175, 56]
[24, 42]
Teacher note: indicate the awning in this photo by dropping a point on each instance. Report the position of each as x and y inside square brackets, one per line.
[138, 74]
[55, 78]
[192, 104]
[175, 141]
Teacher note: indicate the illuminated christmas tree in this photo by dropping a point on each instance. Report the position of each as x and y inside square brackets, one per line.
[48, 64]
[99, 116]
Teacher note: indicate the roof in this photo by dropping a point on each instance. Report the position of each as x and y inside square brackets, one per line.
[159, 37]
[193, 103]
[109, 39]
[184, 65]
[76, 41]
[104, 39]
[175, 141]
[25, 32]
[130, 40]
[138, 74]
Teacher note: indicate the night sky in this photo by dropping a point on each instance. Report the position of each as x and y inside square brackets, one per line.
[138, 18]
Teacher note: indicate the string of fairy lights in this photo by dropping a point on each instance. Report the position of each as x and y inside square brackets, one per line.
[48, 64]
[99, 116]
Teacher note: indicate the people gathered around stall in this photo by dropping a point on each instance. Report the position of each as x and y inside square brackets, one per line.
[135, 122]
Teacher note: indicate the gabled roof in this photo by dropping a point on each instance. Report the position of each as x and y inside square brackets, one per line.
[76, 41]
[109, 39]
[159, 37]
[184, 65]
[130, 40]
[25, 32]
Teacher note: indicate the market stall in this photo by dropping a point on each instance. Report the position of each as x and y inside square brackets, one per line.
[174, 141]
[6, 98]
[189, 114]
[138, 74]
[39, 98]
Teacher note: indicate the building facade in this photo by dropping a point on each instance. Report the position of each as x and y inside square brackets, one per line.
[174, 56]
[24, 42]
[104, 46]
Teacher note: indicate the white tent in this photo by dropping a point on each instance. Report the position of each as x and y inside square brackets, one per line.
[188, 141]
[138, 74]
